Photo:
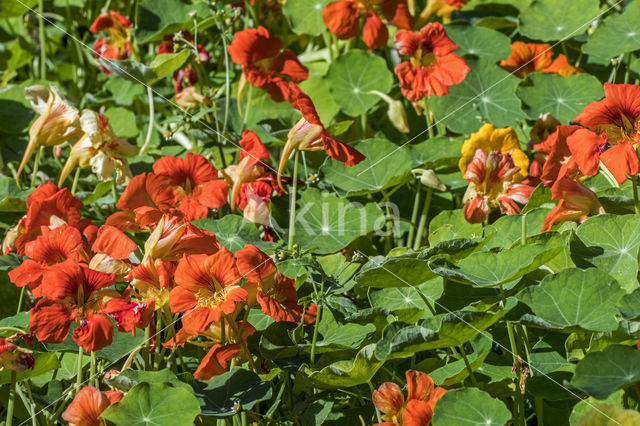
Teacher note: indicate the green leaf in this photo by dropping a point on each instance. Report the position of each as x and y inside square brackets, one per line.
[346, 373]
[608, 413]
[479, 41]
[373, 173]
[101, 189]
[451, 224]
[487, 94]
[155, 404]
[617, 34]
[12, 199]
[441, 151]
[233, 232]
[508, 228]
[157, 18]
[129, 70]
[558, 19]
[612, 244]
[599, 374]
[380, 272]
[219, 395]
[166, 64]
[123, 344]
[327, 223]
[399, 298]
[14, 8]
[318, 89]
[630, 304]
[43, 362]
[575, 297]
[15, 112]
[402, 340]
[123, 122]
[353, 75]
[563, 97]
[124, 91]
[162, 376]
[470, 406]
[486, 269]
[456, 371]
[305, 16]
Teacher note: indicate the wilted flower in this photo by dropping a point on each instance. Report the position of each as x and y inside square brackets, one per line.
[100, 149]
[396, 112]
[189, 98]
[577, 202]
[58, 121]
[531, 57]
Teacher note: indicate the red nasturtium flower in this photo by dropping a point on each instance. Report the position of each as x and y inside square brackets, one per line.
[490, 176]
[308, 134]
[342, 18]
[207, 289]
[531, 57]
[264, 63]
[577, 202]
[269, 290]
[116, 44]
[432, 66]
[417, 410]
[88, 405]
[195, 182]
[558, 159]
[153, 280]
[73, 292]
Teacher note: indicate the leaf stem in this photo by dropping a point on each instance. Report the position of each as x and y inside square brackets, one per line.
[292, 202]
[74, 185]
[79, 369]
[43, 41]
[20, 300]
[147, 139]
[12, 399]
[423, 219]
[427, 115]
[634, 180]
[36, 164]
[235, 330]
[468, 365]
[314, 340]
[414, 215]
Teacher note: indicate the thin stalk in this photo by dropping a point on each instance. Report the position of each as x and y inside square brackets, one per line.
[514, 350]
[235, 330]
[627, 72]
[74, 185]
[93, 376]
[427, 115]
[292, 202]
[614, 71]
[414, 215]
[79, 370]
[20, 300]
[423, 219]
[466, 363]
[363, 123]
[147, 347]
[114, 192]
[147, 140]
[43, 41]
[539, 411]
[634, 180]
[12, 399]
[276, 403]
[247, 108]
[36, 164]
[314, 340]
[227, 83]
[32, 404]
[523, 230]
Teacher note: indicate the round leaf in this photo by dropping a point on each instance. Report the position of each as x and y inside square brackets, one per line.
[354, 74]
[233, 232]
[373, 173]
[470, 406]
[599, 374]
[558, 19]
[617, 34]
[394, 272]
[123, 122]
[305, 16]
[154, 404]
[563, 97]
[575, 297]
[487, 94]
[479, 41]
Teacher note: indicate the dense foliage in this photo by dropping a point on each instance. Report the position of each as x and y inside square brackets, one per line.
[397, 212]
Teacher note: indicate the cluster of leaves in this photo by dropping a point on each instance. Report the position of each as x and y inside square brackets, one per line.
[517, 325]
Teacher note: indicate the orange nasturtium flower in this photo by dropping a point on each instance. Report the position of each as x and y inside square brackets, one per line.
[116, 43]
[58, 121]
[100, 149]
[531, 57]
[342, 18]
[432, 66]
[577, 202]
[441, 8]
[264, 63]
[88, 405]
[207, 289]
[308, 134]
[422, 396]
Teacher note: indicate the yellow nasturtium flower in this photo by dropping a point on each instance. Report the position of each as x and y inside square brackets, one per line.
[488, 139]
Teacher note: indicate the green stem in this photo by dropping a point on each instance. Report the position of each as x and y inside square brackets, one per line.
[36, 164]
[20, 300]
[93, 377]
[32, 404]
[523, 230]
[147, 347]
[43, 41]
[518, 394]
[423, 219]
[634, 180]
[292, 202]
[539, 411]
[363, 123]
[74, 185]
[627, 72]
[427, 115]
[468, 365]
[247, 108]
[315, 334]
[414, 215]
[227, 83]
[12, 399]
[79, 370]
[147, 140]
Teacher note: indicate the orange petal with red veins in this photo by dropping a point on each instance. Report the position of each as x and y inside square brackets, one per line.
[341, 18]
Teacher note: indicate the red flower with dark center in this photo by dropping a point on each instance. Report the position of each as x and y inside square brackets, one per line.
[53, 246]
[207, 289]
[196, 182]
[531, 57]
[264, 63]
[342, 18]
[309, 134]
[116, 44]
[432, 67]
[268, 290]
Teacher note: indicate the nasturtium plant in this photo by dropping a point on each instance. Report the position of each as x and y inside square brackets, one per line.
[318, 212]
